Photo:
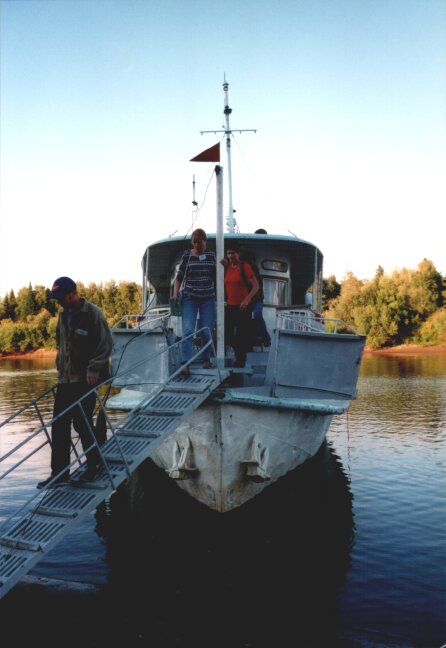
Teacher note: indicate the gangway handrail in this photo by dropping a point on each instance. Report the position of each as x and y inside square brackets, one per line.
[29, 404]
[45, 518]
[43, 427]
[110, 380]
[175, 373]
[110, 424]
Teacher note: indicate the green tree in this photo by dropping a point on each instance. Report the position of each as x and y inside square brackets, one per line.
[426, 289]
[9, 306]
[94, 293]
[13, 337]
[41, 298]
[127, 300]
[330, 290]
[110, 291]
[433, 330]
[343, 306]
[379, 273]
[26, 303]
[390, 309]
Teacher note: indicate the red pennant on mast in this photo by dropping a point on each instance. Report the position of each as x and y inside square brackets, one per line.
[209, 155]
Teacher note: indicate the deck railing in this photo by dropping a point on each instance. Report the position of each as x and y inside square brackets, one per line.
[149, 320]
[307, 320]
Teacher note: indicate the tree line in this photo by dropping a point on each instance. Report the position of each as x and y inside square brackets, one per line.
[28, 320]
[406, 306]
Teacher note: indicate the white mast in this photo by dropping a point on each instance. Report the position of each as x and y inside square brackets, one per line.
[227, 111]
[220, 251]
[230, 221]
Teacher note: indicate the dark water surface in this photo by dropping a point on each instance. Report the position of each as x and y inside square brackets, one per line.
[348, 550]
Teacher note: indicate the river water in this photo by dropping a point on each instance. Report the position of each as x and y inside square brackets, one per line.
[348, 550]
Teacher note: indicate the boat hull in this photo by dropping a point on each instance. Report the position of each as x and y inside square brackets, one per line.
[227, 453]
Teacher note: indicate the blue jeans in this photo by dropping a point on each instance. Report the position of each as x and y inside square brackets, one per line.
[191, 308]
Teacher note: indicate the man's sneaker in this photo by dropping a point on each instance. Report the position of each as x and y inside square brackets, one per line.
[51, 482]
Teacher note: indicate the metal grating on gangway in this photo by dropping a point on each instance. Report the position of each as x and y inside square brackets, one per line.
[51, 514]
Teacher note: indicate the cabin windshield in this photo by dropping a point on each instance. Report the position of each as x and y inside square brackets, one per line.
[275, 291]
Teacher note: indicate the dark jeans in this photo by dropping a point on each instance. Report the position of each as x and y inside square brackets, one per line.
[260, 329]
[66, 394]
[238, 327]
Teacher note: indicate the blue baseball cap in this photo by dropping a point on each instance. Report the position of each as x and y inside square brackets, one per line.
[61, 287]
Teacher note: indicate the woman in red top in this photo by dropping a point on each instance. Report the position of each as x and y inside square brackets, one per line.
[240, 286]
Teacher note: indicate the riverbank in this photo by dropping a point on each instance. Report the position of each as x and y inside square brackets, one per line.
[401, 349]
[408, 349]
[29, 355]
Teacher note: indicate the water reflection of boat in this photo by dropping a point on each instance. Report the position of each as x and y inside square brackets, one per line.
[259, 422]
[263, 575]
[259, 574]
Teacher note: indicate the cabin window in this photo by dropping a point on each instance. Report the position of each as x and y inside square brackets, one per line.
[274, 291]
[277, 266]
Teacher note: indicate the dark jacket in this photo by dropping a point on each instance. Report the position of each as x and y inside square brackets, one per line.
[86, 347]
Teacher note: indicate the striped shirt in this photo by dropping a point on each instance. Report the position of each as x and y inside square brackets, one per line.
[200, 272]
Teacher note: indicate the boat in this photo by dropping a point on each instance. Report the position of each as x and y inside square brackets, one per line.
[223, 434]
[257, 423]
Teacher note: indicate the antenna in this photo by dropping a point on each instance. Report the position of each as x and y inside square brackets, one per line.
[230, 221]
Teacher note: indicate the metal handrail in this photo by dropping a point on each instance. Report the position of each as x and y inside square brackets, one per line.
[113, 427]
[94, 390]
[30, 404]
[142, 321]
[305, 320]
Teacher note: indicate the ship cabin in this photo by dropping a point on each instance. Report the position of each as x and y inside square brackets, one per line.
[329, 351]
[291, 270]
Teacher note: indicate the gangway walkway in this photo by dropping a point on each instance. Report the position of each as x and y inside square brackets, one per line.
[50, 514]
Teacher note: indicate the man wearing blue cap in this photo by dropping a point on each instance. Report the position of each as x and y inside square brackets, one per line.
[84, 346]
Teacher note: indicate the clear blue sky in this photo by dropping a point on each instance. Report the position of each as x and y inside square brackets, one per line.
[102, 103]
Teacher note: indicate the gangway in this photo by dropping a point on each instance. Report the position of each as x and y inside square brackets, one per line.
[50, 514]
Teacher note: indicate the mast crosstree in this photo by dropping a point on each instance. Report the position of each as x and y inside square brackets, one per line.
[230, 221]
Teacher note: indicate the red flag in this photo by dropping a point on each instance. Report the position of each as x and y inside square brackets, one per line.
[209, 155]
